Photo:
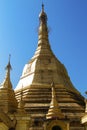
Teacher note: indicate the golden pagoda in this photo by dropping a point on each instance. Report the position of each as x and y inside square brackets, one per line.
[8, 102]
[44, 98]
[37, 76]
[12, 113]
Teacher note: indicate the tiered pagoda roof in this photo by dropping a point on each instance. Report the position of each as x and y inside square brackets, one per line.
[37, 76]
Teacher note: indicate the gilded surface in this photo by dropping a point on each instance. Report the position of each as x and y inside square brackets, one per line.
[38, 74]
[62, 125]
[37, 98]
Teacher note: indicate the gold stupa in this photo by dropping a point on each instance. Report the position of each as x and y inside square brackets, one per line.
[38, 74]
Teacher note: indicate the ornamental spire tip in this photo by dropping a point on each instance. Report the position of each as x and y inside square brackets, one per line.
[42, 7]
[8, 65]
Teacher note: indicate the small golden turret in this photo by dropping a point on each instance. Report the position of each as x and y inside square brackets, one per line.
[7, 82]
[54, 111]
[8, 102]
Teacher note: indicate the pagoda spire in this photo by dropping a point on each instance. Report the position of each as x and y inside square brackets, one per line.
[8, 102]
[7, 81]
[8, 67]
[43, 29]
[43, 15]
[54, 111]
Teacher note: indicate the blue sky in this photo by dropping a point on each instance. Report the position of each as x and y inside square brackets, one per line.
[67, 22]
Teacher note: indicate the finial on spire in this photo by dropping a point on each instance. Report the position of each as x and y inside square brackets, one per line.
[9, 57]
[43, 16]
[7, 82]
[42, 7]
[8, 65]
